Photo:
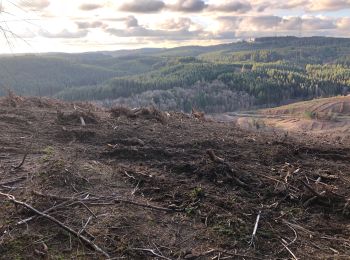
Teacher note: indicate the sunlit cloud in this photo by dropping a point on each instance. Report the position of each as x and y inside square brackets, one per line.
[64, 25]
[90, 7]
[142, 6]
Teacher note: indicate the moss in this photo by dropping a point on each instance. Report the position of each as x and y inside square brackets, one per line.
[13, 249]
[232, 228]
[197, 193]
[49, 152]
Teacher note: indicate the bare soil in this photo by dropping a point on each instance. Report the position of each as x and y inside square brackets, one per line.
[320, 107]
[177, 188]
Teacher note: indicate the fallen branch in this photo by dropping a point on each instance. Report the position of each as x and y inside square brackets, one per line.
[234, 255]
[213, 157]
[290, 251]
[130, 176]
[114, 201]
[22, 162]
[110, 201]
[70, 230]
[85, 225]
[24, 221]
[38, 193]
[25, 155]
[13, 181]
[312, 190]
[150, 251]
[309, 201]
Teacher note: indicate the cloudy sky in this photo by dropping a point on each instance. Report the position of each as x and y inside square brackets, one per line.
[82, 25]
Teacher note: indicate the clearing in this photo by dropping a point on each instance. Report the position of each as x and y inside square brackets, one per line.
[150, 185]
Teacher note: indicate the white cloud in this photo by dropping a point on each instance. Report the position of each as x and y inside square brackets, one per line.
[142, 6]
[35, 4]
[64, 34]
[328, 5]
[90, 6]
[162, 23]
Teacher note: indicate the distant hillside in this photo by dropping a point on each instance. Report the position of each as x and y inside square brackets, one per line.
[269, 71]
[45, 76]
[338, 106]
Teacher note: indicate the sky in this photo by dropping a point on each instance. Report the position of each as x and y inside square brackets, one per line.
[29, 26]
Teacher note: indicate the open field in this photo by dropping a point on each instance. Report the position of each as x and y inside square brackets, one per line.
[317, 108]
[327, 119]
[150, 185]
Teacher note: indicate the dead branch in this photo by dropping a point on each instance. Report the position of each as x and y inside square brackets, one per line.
[133, 203]
[296, 226]
[107, 201]
[309, 201]
[85, 225]
[130, 176]
[22, 162]
[87, 208]
[150, 251]
[214, 157]
[235, 255]
[51, 196]
[87, 241]
[13, 181]
[24, 221]
[82, 121]
[25, 155]
[312, 190]
[289, 251]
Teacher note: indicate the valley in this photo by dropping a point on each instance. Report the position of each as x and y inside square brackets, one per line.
[240, 76]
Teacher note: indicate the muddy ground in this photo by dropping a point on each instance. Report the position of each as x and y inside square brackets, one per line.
[150, 185]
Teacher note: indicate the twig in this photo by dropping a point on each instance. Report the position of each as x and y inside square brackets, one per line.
[235, 255]
[22, 162]
[296, 226]
[130, 176]
[220, 160]
[151, 251]
[82, 121]
[214, 157]
[136, 188]
[114, 200]
[38, 193]
[295, 235]
[25, 155]
[136, 204]
[13, 181]
[86, 224]
[87, 208]
[269, 178]
[24, 221]
[312, 190]
[290, 251]
[346, 206]
[255, 229]
[70, 230]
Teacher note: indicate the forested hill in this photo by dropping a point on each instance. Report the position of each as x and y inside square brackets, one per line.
[265, 72]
